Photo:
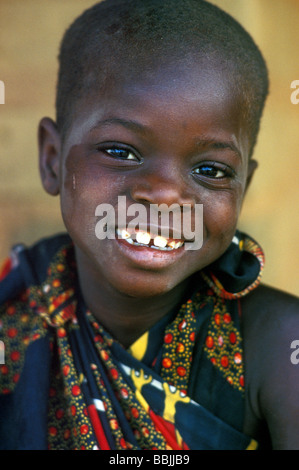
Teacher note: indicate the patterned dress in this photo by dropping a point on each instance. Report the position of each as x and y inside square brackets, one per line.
[65, 383]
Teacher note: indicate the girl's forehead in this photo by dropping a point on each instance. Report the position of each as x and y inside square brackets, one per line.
[188, 87]
[180, 103]
[182, 75]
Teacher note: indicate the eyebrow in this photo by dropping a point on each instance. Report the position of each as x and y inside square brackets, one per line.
[128, 123]
[218, 145]
[202, 141]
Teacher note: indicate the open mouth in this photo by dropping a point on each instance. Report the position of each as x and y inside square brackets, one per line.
[145, 239]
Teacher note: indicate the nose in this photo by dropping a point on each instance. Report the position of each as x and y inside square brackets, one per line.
[162, 187]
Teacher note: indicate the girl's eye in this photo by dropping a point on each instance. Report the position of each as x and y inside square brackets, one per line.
[211, 171]
[122, 154]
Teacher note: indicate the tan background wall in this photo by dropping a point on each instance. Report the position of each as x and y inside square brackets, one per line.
[30, 32]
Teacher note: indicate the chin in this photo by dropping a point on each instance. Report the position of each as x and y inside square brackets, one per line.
[145, 290]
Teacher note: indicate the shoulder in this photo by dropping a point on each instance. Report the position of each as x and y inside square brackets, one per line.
[26, 266]
[269, 318]
[270, 322]
[23, 303]
[269, 314]
[19, 328]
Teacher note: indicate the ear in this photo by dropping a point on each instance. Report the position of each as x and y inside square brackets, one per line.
[252, 166]
[49, 145]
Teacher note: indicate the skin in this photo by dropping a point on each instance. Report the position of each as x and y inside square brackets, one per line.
[270, 325]
[176, 133]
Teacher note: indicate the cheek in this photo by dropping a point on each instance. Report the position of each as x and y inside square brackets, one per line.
[84, 186]
[79, 194]
[220, 213]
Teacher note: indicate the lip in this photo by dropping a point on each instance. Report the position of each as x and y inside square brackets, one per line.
[149, 258]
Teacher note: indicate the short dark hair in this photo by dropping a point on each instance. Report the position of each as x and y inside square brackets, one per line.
[134, 31]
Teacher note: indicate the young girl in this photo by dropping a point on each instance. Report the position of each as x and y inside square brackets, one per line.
[133, 341]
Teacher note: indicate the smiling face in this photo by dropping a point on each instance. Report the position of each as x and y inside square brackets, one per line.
[174, 137]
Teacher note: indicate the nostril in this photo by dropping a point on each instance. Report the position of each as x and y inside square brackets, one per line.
[160, 192]
[163, 195]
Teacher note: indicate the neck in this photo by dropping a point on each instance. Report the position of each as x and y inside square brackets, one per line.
[127, 318]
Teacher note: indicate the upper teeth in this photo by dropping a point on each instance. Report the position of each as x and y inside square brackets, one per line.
[124, 234]
[144, 238]
[161, 242]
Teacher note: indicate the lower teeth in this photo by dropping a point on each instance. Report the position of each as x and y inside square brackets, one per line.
[165, 248]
